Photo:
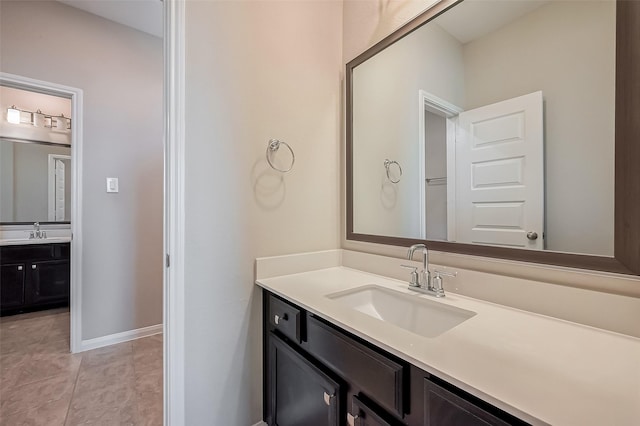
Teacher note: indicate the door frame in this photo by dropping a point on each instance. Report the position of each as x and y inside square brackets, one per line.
[75, 95]
[51, 183]
[174, 215]
[428, 102]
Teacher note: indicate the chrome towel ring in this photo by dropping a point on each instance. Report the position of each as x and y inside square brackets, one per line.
[387, 165]
[272, 147]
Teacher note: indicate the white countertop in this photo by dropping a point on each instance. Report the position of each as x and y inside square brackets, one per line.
[27, 241]
[540, 369]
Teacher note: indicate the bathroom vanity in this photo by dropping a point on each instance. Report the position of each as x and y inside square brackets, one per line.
[345, 346]
[318, 373]
[34, 276]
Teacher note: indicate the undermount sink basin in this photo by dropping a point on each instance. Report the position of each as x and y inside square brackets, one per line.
[408, 311]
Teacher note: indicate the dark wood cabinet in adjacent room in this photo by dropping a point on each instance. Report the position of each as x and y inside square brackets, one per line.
[318, 374]
[33, 277]
[12, 277]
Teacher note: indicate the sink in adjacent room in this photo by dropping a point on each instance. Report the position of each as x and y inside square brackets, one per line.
[410, 312]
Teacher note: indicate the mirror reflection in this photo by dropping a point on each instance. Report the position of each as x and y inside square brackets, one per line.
[35, 157]
[35, 182]
[501, 117]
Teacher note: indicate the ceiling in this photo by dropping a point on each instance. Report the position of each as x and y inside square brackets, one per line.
[143, 15]
[473, 19]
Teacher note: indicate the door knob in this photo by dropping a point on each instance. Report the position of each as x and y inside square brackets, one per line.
[532, 235]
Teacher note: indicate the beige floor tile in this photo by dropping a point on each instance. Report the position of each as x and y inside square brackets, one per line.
[34, 395]
[41, 383]
[10, 368]
[150, 409]
[115, 373]
[107, 354]
[114, 403]
[149, 383]
[51, 414]
[40, 366]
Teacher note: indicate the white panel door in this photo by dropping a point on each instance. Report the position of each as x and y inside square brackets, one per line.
[500, 174]
[59, 191]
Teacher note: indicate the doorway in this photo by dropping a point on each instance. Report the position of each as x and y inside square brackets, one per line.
[120, 72]
[52, 150]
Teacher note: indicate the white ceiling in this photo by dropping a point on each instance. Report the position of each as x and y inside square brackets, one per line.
[143, 15]
[473, 19]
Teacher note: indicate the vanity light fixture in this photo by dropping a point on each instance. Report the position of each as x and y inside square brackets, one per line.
[13, 115]
[38, 119]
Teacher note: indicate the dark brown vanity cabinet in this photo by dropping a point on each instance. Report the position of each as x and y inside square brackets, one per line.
[317, 374]
[444, 407]
[300, 393]
[33, 277]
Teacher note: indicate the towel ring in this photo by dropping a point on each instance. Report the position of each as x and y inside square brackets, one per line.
[272, 147]
[387, 165]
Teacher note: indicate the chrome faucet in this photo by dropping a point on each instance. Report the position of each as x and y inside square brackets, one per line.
[37, 233]
[421, 281]
[424, 277]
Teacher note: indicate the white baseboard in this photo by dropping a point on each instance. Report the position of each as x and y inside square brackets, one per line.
[125, 336]
[260, 424]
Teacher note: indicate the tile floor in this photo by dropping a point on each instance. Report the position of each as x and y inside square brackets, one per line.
[41, 383]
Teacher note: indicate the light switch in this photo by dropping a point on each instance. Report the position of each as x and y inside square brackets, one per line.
[112, 184]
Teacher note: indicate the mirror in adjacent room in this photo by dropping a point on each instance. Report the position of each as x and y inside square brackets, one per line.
[35, 157]
[501, 116]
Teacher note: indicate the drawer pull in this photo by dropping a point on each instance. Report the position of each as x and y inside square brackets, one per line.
[33, 266]
[20, 268]
[277, 318]
[327, 398]
[351, 419]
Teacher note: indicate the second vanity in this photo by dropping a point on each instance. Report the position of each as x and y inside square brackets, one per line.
[458, 361]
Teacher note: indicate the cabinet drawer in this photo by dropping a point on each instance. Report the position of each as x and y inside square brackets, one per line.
[362, 414]
[379, 377]
[285, 318]
[34, 252]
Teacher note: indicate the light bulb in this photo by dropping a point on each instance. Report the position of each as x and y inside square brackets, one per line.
[13, 115]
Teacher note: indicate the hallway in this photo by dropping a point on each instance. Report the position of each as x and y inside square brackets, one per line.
[41, 383]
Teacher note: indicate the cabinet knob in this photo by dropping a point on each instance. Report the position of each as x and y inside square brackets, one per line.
[351, 419]
[327, 398]
[33, 266]
[532, 235]
[20, 268]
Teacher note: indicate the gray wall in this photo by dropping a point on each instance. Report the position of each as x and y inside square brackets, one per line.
[254, 71]
[120, 71]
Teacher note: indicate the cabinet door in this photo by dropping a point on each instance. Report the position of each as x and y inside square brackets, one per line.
[49, 281]
[300, 393]
[444, 408]
[12, 285]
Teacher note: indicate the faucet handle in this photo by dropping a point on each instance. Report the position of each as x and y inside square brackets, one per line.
[445, 273]
[437, 286]
[414, 275]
